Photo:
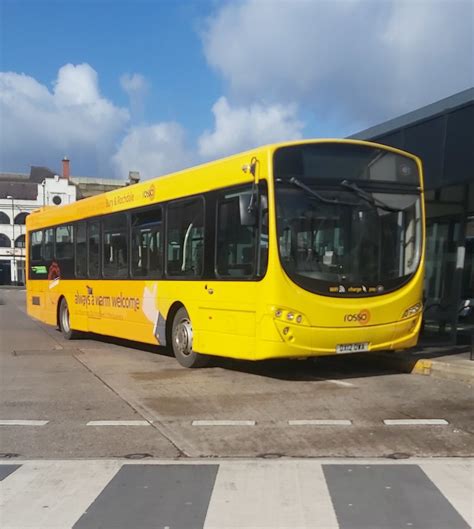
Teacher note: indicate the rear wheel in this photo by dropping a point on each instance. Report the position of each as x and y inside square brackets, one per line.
[182, 341]
[64, 321]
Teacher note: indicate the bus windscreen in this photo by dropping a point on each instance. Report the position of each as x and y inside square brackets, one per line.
[348, 218]
[342, 161]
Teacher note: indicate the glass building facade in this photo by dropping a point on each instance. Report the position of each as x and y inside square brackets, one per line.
[442, 135]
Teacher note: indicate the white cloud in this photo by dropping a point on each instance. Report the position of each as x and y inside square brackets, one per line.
[359, 60]
[133, 83]
[239, 128]
[153, 150]
[136, 87]
[39, 126]
[76, 85]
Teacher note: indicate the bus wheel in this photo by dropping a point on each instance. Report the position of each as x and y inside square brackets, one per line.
[182, 341]
[64, 322]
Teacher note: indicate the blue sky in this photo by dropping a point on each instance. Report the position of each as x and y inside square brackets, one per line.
[155, 85]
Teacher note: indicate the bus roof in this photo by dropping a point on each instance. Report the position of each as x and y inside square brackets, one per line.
[190, 181]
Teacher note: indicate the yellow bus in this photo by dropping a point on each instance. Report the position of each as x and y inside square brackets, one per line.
[295, 249]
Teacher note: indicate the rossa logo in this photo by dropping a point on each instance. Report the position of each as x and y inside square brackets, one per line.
[363, 317]
[149, 193]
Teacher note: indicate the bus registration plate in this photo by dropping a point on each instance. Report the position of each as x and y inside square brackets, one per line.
[360, 347]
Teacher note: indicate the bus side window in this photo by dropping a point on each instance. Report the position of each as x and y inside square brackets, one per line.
[235, 248]
[115, 246]
[263, 229]
[93, 240]
[81, 250]
[241, 250]
[36, 243]
[146, 243]
[65, 250]
[48, 245]
[185, 238]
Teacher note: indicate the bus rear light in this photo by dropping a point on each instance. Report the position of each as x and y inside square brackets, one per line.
[290, 316]
[299, 318]
[411, 311]
[278, 313]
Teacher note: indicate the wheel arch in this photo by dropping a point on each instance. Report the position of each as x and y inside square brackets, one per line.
[169, 320]
[58, 306]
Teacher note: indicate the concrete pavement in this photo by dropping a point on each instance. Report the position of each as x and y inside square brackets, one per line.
[452, 363]
[330, 407]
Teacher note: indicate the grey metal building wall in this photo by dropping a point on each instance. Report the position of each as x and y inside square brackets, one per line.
[441, 134]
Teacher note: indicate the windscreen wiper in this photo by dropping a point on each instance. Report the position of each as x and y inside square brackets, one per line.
[315, 194]
[368, 197]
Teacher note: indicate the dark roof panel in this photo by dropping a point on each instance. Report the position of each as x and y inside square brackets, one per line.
[38, 174]
[19, 190]
[440, 134]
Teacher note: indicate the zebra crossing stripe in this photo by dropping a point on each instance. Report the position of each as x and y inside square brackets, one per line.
[153, 496]
[277, 496]
[67, 488]
[454, 480]
[243, 494]
[388, 496]
[6, 470]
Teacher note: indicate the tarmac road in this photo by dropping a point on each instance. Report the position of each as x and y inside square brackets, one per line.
[77, 415]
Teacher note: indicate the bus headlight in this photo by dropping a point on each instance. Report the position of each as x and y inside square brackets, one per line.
[411, 311]
[288, 314]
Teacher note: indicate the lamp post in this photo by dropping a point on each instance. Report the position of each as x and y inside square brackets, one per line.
[14, 281]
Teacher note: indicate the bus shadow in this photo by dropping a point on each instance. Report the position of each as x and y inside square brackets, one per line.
[340, 367]
[123, 342]
[312, 369]
[320, 368]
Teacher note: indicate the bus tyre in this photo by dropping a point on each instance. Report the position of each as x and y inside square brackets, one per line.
[182, 341]
[64, 322]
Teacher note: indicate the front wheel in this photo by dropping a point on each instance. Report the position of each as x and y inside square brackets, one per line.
[182, 341]
[64, 322]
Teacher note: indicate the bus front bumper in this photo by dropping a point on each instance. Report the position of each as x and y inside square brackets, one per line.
[280, 339]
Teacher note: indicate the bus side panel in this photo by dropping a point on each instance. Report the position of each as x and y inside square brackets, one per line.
[225, 322]
[77, 309]
[35, 299]
[123, 309]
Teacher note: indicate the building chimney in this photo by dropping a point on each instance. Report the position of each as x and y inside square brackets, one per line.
[66, 167]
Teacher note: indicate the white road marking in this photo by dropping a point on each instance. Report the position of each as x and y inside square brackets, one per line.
[223, 423]
[52, 494]
[118, 423]
[320, 422]
[454, 480]
[21, 422]
[341, 383]
[268, 494]
[410, 422]
[247, 494]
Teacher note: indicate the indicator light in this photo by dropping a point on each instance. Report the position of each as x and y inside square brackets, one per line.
[299, 318]
[411, 311]
[290, 316]
[286, 330]
[278, 313]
